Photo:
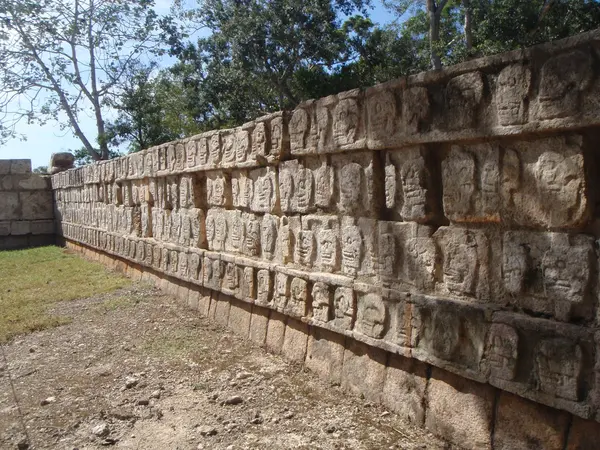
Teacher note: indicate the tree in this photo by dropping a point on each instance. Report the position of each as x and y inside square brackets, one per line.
[260, 54]
[148, 111]
[68, 57]
[42, 170]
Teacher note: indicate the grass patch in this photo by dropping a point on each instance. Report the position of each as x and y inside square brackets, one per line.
[31, 280]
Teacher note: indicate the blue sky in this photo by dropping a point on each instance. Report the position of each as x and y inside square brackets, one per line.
[42, 141]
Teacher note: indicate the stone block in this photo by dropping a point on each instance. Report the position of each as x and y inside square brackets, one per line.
[41, 240]
[42, 227]
[584, 435]
[363, 371]
[19, 227]
[325, 354]
[193, 299]
[204, 303]
[275, 332]
[9, 206]
[5, 166]
[33, 182]
[4, 228]
[36, 205]
[240, 315]
[295, 341]
[13, 242]
[18, 166]
[404, 388]
[459, 410]
[258, 325]
[222, 310]
[523, 424]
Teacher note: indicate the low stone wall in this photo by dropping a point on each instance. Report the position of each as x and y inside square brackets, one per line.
[430, 242]
[26, 206]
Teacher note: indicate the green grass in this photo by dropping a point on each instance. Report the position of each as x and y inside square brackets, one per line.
[32, 280]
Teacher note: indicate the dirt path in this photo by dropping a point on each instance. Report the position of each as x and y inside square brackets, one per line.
[136, 370]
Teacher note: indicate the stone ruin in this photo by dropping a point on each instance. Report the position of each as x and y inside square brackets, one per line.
[430, 243]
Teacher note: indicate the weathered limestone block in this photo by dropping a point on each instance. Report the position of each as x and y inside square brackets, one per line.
[459, 410]
[252, 227]
[407, 255]
[549, 272]
[512, 94]
[449, 334]
[34, 205]
[295, 341]
[583, 435]
[544, 182]
[218, 189]
[409, 188]
[264, 198]
[268, 236]
[242, 190]
[564, 79]
[404, 388]
[359, 248]
[325, 354]
[61, 161]
[216, 229]
[358, 188]
[363, 371]
[275, 332]
[214, 148]
[10, 206]
[471, 183]
[228, 148]
[465, 262]
[264, 288]
[522, 424]
[258, 325]
[240, 316]
[463, 99]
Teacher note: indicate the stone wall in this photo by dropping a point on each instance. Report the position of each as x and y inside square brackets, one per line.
[430, 242]
[26, 207]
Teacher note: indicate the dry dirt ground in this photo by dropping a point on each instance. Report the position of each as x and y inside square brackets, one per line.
[137, 370]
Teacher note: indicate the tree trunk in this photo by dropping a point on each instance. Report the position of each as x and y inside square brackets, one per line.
[468, 26]
[434, 34]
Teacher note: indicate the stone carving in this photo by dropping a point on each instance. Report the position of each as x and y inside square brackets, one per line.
[346, 122]
[296, 305]
[173, 261]
[265, 199]
[511, 94]
[327, 249]
[390, 183]
[566, 273]
[286, 188]
[259, 139]
[323, 180]
[563, 80]
[231, 280]
[264, 287]
[352, 249]
[268, 237]
[465, 261]
[558, 368]
[415, 109]
[421, 256]
[284, 238]
[247, 284]
[471, 182]
[202, 152]
[217, 190]
[321, 301]
[214, 149]
[343, 307]
[501, 352]
[372, 315]
[282, 291]
[299, 128]
[190, 153]
[252, 236]
[195, 266]
[387, 251]
[544, 182]
[350, 185]
[381, 107]
[216, 229]
[305, 248]
[277, 137]
[303, 187]
[242, 145]
[236, 231]
[463, 97]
